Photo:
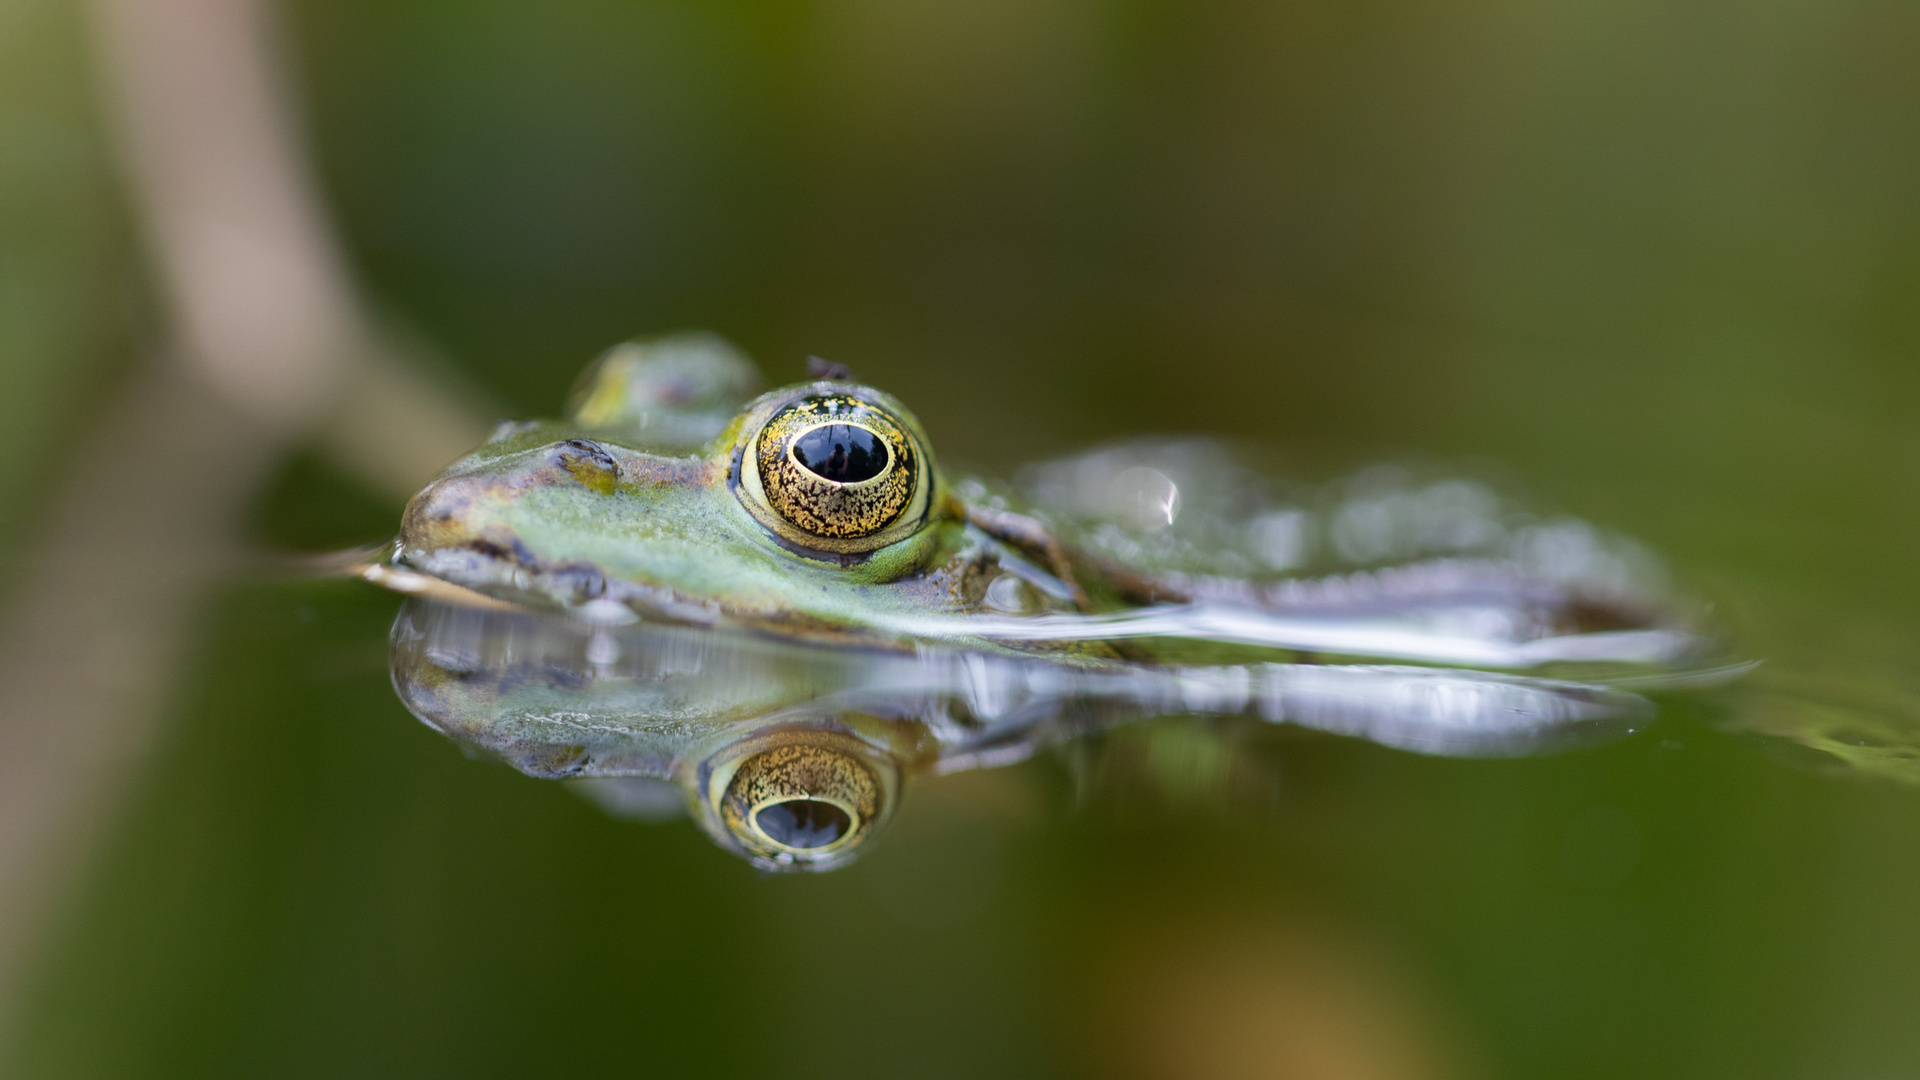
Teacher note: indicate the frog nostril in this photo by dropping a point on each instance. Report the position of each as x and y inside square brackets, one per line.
[590, 464]
[805, 824]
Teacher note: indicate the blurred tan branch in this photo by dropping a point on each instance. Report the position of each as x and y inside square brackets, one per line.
[264, 309]
[269, 344]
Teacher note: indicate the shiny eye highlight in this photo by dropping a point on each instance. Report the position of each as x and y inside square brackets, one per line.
[842, 453]
[835, 473]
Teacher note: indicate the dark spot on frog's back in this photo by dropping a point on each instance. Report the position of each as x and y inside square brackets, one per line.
[590, 464]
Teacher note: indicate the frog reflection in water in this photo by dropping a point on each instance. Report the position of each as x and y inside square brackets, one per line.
[781, 605]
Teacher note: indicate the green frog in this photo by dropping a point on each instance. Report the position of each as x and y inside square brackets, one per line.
[778, 608]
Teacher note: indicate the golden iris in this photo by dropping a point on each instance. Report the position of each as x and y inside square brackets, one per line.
[837, 473]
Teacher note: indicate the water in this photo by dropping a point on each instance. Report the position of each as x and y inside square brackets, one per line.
[339, 862]
[1650, 266]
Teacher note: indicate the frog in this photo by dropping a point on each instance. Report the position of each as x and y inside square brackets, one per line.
[775, 607]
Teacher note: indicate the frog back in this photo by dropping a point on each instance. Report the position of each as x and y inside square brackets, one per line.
[669, 394]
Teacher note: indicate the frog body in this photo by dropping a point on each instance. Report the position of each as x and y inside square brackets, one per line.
[601, 506]
[780, 603]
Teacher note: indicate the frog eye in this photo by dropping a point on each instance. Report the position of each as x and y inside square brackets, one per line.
[803, 797]
[834, 472]
[800, 804]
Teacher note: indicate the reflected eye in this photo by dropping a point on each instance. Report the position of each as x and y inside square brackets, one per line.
[799, 803]
[835, 473]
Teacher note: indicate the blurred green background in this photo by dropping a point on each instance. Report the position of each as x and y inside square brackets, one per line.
[1660, 262]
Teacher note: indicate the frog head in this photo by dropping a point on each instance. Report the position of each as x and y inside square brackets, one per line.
[808, 510]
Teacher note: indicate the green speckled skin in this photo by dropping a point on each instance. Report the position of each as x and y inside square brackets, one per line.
[665, 530]
[648, 508]
[566, 573]
[564, 513]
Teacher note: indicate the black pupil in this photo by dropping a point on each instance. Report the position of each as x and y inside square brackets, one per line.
[803, 823]
[842, 453]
